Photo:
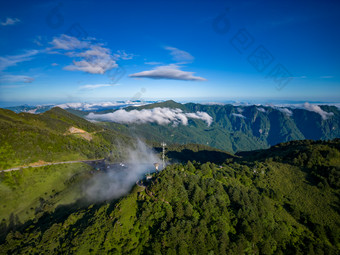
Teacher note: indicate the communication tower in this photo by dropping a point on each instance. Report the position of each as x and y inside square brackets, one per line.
[163, 155]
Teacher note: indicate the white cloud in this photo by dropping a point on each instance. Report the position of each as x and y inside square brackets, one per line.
[66, 42]
[180, 56]
[98, 106]
[213, 103]
[153, 63]
[201, 115]
[14, 59]
[285, 111]
[89, 57]
[121, 54]
[38, 40]
[10, 21]
[15, 78]
[171, 72]
[260, 109]
[95, 60]
[96, 66]
[315, 108]
[239, 110]
[95, 86]
[161, 116]
[238, 115]
[306, 106]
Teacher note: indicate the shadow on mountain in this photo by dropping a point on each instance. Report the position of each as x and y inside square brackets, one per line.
[58, 216]
[199, 156]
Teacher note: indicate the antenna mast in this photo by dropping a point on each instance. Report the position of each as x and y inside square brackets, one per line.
[163, 155]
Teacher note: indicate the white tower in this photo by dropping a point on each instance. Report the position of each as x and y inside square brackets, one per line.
[163, 156]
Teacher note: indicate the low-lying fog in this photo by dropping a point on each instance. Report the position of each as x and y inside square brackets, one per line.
[118, 179]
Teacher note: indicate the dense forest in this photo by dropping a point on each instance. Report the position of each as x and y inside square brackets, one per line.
[283, 200]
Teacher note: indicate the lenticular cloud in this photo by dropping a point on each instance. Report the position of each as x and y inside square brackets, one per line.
[161, 116]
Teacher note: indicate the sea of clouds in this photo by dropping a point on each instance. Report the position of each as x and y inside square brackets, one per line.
[161, 116]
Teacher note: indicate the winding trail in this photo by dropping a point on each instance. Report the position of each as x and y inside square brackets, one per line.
[52, 163]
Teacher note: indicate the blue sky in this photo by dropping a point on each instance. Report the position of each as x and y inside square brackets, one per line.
[90, 51]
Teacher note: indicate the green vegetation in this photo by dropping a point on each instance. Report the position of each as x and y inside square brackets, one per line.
[28, 193]
[284, 200]
[27, 138]
[21, 190]
[259, 128]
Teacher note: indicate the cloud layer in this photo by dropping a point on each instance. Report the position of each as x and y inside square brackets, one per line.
[171, 72]
[99, 106]
[161, 116]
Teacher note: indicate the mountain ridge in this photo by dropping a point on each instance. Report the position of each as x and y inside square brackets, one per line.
[240, 128]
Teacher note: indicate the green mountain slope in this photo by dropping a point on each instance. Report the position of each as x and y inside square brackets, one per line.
[239, 128]
[284, 200]
[27, 193]
[27, 138]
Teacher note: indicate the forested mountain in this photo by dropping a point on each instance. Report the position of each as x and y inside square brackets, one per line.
[240, 128]
[283, 200]
[55, 135]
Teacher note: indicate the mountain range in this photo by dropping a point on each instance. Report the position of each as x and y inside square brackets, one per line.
[51, 135]
[232, 128]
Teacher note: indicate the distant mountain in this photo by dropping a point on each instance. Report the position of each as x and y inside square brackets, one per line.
[55, 135]
[30, 108]
[237, 128]
[283, 200]
[83, 107]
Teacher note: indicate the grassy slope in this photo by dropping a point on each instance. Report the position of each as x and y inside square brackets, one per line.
[25, 192]
[27, 138]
